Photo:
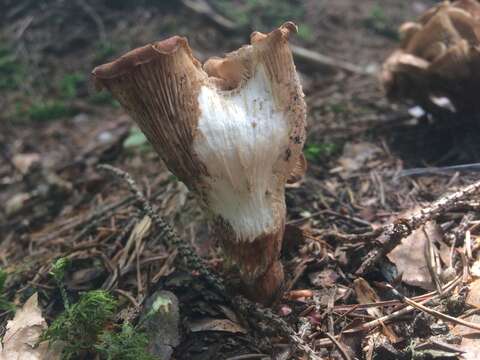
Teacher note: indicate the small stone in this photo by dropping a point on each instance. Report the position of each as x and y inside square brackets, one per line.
[80, 118]
[160, 320]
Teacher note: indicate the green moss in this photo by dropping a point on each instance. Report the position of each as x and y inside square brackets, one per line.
[70, 84]
[136, 140]
[317, 151]
[12, 72]
[305, 32]
[103, 98]
[49, 110]
[337, 108]
[105, 50]
[81, 324]
[261, 15]
[58, 273]
[379, 22]
[128, 344]
[5, 305]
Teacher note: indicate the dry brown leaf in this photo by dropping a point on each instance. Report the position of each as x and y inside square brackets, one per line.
[475, 269]
[209, 324]
[409, 256]
[470, 339]
[471, 346]
[473, 297]
[23, 333]
[16, 203]
[140, 230]
[355, 156]
[365, 295]
[24, 162]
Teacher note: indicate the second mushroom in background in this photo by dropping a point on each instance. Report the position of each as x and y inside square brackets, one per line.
[232, 131]
[439, 58]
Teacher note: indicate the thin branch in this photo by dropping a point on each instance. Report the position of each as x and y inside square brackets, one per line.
[339, 346]
[433, 312]
[391, 235]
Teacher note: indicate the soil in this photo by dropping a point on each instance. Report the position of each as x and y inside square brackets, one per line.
[358, 146]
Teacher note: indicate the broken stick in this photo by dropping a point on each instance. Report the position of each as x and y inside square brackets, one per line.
[391, 235]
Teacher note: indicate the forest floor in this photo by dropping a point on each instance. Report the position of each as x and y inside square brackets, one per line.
[55, 203]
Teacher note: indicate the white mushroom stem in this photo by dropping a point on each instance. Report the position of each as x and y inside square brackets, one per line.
[240, 137]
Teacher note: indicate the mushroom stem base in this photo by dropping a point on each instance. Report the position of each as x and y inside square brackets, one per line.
[267, 287]
[259, 263]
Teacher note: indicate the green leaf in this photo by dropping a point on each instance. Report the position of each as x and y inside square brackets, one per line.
[136, 139]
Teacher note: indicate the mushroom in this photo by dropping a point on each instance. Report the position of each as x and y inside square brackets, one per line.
[232, 131]
[439, 56]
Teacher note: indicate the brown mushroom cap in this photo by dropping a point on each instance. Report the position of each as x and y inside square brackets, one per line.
[437, 54]
[158, 84]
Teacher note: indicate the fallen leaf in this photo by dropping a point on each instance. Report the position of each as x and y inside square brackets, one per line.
[409, 256]
[23, 333]
[473, 297]
[470, 338]
[471, 346]
[16, 203]
[475, 269]
[209, 324]
[365, 295]
[140, 230]
[355, 156]
[23, 162]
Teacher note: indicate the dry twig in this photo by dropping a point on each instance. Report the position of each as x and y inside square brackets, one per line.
[391, 235]
[433, 312]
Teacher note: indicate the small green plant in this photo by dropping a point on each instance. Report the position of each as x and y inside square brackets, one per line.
[70, 84]
[378, 22]
[105, 50]
[48, 110]
[81, 324]
[5, 305]
[128, 344]
[136, 140]
[58, 273]
[305, 32]
[81, 327]
[103, 98]
[12, 72]
[261, 14]
[317, 151]
[337, 108]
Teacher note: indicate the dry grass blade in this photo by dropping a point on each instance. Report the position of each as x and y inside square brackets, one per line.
[399, 313]
[339, 346]
[435, 313]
